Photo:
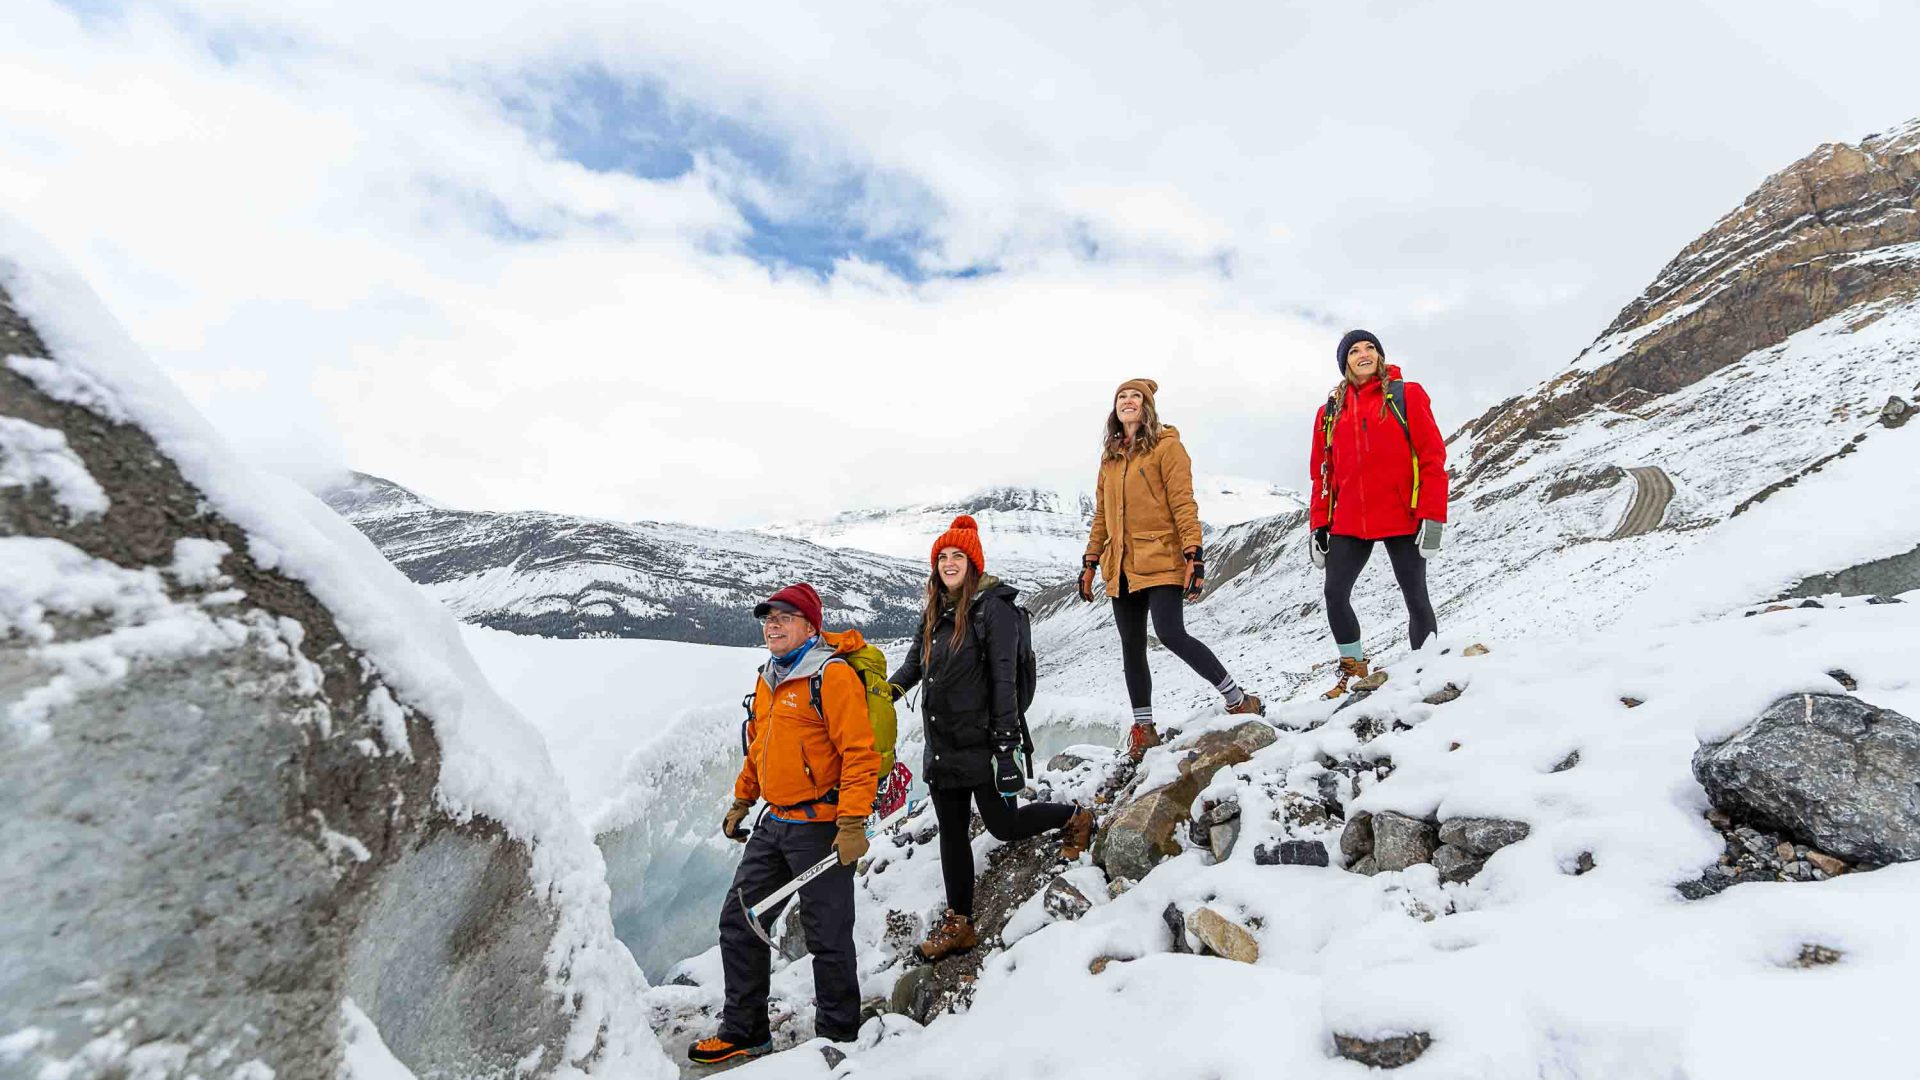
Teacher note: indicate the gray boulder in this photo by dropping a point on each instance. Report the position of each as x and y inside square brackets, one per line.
[1389, 1052]
[1356, 840]
[1455, 864]
[1400, 841]
[1139, 834]
[1064, 901]
[1482, 836]
[1827, 769]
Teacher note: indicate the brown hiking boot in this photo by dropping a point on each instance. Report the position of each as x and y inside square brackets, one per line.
[1349, 669]
[1077, 833]
[1141, 739]
[1248, 704]
[954, 934]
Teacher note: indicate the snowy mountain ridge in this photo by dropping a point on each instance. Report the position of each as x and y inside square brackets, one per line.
[556, 575]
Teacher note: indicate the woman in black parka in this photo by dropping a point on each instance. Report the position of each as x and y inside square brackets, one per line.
[967, 652]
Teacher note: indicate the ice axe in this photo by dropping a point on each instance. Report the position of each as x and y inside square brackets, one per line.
[774, 898]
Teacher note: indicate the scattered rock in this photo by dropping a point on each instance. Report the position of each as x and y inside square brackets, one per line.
[683, 978]
[1101, 963]
[1632, 702]
[1222, 837]
[833, 1055]
[1065, 762]
[1783, 851]
[1826, 863]
[1443, 695]
[1365, 865]
[1878, 598]
[1455, 864]
[1567, 762]
[1139, 834]
[1292, 853]
[1118, 886]
[1583, 864]
[1483, 836]
[1812, 604]
[1356, 839]
[904, 931]
[1369, 728]
[1400, 841]
[1475, 650]
[1064, 901]
[1390, 1052]
[1224, 936]
[1895, 412]
[1828, 768]
[1812, 955]
[1177, 923]
[908, 990]
[1846, 681]
[1303, 811]
[793, 936]
[1221, 812]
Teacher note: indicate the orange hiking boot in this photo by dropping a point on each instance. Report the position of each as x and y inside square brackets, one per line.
[1248, 704]
[1141, 739]
[1078, 834]
[954, 934]
[1350, 668]
[716, 1050]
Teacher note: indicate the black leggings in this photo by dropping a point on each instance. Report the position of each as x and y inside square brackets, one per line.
[951, 809]
[1346, 555]
[1130, 610]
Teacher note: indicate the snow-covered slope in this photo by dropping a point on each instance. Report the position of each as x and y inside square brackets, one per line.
[1767, 348]
[560, 576]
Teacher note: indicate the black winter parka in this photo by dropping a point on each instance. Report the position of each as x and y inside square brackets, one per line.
[971, 700]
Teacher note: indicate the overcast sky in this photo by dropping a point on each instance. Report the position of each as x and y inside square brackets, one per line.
[727, 263]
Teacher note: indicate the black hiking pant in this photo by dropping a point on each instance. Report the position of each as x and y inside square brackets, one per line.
[1006, 822]
[1163, 602]
[776, 853]
[1347, 555]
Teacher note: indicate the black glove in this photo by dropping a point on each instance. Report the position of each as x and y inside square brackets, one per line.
[1319, 544]
[1196, 574]
[1087, 567]
[1007, 779]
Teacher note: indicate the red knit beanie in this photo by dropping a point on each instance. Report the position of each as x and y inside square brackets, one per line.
[965, 535]
[799, 599]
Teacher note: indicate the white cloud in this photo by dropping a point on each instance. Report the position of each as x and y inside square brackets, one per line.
[312, 225]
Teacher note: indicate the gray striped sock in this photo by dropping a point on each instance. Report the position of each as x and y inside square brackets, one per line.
[1143, 715]
[1231, 691]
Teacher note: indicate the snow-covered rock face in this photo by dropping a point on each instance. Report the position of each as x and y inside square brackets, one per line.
[253, 818]
[559, 576]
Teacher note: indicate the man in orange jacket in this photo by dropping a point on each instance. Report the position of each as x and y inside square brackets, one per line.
[810, 755]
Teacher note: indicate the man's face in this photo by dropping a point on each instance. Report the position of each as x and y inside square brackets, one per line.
[1363, 360]
[784, 631]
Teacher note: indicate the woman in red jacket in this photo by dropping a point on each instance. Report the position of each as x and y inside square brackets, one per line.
[1379, 469]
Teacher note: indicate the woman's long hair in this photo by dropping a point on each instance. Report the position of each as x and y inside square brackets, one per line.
[1114, 446]
[962, 609]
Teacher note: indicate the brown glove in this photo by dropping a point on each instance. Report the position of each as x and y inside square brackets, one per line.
[1086, 579]
[851, 842]
[730, 825]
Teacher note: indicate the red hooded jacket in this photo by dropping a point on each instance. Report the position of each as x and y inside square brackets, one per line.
[1368, 488]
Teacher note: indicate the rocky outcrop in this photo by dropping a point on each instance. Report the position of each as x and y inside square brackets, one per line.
[1141, 833]
[1828, 769]
[1384, 1052]
[1799, 249]
[223, 822]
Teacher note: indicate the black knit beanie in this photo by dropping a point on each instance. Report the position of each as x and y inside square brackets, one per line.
[1352, 338]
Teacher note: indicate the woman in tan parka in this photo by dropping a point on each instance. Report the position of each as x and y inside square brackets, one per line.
[1146, 546]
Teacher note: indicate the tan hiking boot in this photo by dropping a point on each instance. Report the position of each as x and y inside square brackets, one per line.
[954, 934]
[1077, 834]
[1248, 704]
[1141, 739]
[1350, 668]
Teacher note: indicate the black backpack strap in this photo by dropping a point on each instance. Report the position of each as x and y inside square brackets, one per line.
[814, 680]
[1397, 398]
